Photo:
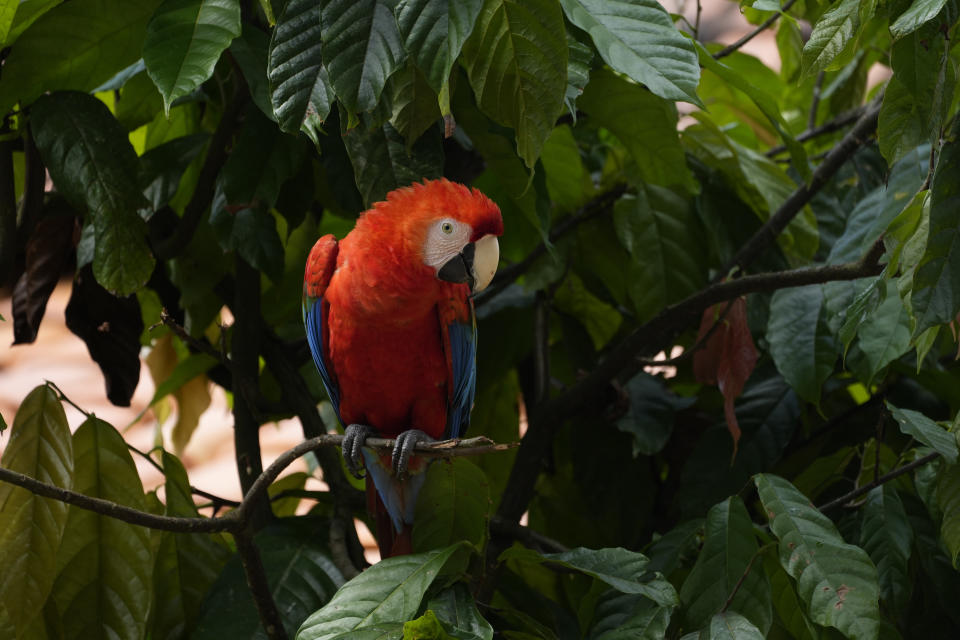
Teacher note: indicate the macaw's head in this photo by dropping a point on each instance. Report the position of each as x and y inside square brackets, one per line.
[440, 229]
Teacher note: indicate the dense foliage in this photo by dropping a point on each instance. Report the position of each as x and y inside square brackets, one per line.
[793, 473]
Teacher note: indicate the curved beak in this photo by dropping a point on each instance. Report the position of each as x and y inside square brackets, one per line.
[474, 265]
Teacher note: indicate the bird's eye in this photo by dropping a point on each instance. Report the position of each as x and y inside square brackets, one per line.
[446, 227]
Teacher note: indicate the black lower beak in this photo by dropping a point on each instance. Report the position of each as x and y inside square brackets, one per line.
[459, 269]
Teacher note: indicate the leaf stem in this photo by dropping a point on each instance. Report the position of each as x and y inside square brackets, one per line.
[766, 24]
[887, 477]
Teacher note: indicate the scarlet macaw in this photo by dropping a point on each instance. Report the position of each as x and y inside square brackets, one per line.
[391, 326]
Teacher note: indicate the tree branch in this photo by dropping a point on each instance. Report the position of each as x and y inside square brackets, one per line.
[887, 477]
[753, 34]
[259, 586]
[650, 338]
[829, 126]
[767, 233]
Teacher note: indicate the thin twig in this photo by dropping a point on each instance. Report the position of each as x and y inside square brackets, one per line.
[699, 344]
[887, 477]
[200, 346]
[830, 126]
[529, 537]
[815, 103]
[259, 585]
[746, 572]
[63, 398]
[753, 34]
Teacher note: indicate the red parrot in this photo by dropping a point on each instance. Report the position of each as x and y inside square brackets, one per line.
[390, 322]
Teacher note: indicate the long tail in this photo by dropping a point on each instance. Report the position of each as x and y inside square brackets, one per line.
[392, 501]
[390, 541]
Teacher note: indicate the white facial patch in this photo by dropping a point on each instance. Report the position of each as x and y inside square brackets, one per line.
[445, 239]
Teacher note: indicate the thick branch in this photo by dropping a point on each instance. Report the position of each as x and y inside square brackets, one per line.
[647, 339]
[764, 236]
[887, 477]
[766, 24]
[259, 586]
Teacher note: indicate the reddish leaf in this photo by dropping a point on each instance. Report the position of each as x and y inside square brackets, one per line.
[111, 328]
[48, 252]
[728, 357]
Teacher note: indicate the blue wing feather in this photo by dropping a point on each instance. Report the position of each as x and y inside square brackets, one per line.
[463, 352]
[313, 322]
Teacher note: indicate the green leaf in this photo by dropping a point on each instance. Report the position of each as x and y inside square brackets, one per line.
[832, 35]
[76, 45]
[250, 52]
[837, 581]
[579, 60]
[637, 38]
[948, 500]
[8, 11]
[413, 102]
[93, 164]
[361, 47]
[650, 134]
[919, 13]
[643, 621]
[252, 233]
[31, 527]
[456, 609]
[786, 603]
[26, 14]
[617, 567]
[299, 86]
[600, 319]
[728, 554]
[104, 566]
[301, 576]
[381, 162]
[765, 102]
[287, 506]
[183, 42]
[884, 333]
[139, 102]
[914, 423]
[518, 49]
[660, 229]
[433, 33]
[453, 505]
[651, 413]
[886, 536]
[730, 625]
[936, 284]
[801, 345]
[187, 564]
[426, 627]
[162, 168]
[568, 181]
[388, 592]
[262, 160]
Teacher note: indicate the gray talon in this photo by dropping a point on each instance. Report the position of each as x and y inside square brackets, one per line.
[353, 438]
[403, 449]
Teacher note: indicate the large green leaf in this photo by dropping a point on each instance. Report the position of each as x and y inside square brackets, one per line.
[637, 38]
[457, 610]
[299, 87]
[27, 12]
[661, 231]
[453, 505]
[730, 625]
[186, 565]
[651, 413]
[8, 11]
[886, 536]
[31, 527]
[927, 431]
[936, 284]
[801, 345]
[837, 581]
[250, 52]
[389, 592]
[626, 617]
[786, 603]
[104, 566]
[381, 162]
[884, 333]
[919, 13]
[362, 48]
[433, 33]
[832, 35]
[76, 45]
[413, 103]
[183, 42]
[93, 164]
[516, 59]
[728, 554]
[619, 568]
[650, 133]
[301, 576]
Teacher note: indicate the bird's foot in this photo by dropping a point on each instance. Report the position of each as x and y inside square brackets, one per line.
[403, 449]
[353, 438]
